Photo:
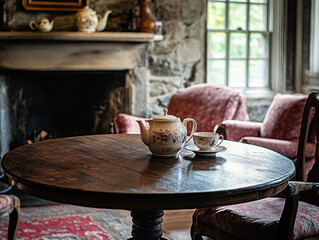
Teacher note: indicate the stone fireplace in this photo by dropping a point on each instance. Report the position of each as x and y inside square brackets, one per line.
[70, 83]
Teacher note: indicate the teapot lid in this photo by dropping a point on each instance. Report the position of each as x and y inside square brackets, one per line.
[86, 9]
[165, 117]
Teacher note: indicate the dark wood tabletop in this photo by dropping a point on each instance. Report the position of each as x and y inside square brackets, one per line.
[118, 171]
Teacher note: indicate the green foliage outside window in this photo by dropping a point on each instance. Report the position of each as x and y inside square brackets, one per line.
[239, 42]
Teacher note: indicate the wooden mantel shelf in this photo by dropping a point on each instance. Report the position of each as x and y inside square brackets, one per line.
[137, 37]
[73, 51]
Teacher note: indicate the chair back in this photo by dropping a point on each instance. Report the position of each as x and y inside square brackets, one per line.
[284, 116]
[309, 129]
[209, 105]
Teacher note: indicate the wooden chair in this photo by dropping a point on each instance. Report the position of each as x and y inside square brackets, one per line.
[281, 217]
[10, 204]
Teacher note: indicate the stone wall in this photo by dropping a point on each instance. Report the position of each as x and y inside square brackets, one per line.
[178, 61]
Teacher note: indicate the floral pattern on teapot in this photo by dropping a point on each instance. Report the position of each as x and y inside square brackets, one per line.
[86, 20]
[167, 149]
[168, 137]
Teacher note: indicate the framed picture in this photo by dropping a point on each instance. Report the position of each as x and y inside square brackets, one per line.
[55, 5]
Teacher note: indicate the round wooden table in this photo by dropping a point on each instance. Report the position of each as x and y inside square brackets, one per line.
[118, 171]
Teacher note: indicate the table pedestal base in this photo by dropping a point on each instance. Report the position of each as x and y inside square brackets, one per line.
[147, 225]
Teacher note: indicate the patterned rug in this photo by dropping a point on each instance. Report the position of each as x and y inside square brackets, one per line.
[70, 222]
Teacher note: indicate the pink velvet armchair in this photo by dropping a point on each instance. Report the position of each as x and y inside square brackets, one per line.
[208, 104]
[279, 131]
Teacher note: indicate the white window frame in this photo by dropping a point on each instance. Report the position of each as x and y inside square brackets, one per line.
[308, 80]
[314, 38]
[277, 70]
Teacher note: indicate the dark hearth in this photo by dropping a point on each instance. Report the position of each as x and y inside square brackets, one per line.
[38, 135]
[64, 103]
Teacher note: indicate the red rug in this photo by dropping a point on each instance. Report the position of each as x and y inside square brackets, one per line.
[70, 222]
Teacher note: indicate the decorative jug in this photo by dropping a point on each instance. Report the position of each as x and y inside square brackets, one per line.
[87, 20]
[42, 25]
[146, 21]
[166, 135]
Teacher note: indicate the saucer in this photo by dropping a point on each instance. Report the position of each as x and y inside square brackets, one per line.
[206, 153]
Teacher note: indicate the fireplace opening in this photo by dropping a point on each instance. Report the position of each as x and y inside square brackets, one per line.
[64, 103]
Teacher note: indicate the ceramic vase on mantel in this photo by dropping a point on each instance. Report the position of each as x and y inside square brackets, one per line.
[146, 21]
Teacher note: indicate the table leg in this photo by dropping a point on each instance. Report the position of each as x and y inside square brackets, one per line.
[147, 225]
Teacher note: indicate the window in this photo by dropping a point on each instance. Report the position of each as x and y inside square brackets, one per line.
[238, 43]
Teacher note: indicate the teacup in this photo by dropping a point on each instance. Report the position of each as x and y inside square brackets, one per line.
[207, 140]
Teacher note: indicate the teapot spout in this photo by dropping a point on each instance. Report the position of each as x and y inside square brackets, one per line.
[144, 133]
[102, 21]
[51, 24]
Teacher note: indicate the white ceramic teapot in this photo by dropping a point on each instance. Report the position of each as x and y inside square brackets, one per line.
[42, 25]
[166, 135]
[86, 20]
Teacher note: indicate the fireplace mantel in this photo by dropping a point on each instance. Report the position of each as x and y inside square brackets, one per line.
[137, 37]
[74, 51]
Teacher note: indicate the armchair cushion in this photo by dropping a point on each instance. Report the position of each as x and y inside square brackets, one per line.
[235, 130]
[125, 123]
[251, 221]
[284, 147]
[284, 116]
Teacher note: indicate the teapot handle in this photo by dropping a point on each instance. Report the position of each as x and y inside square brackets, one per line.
[32, 25]
[185, 121]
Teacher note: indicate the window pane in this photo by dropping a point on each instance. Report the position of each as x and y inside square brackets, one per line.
[238, 45]
[237, 73]
[258, 73]
[257, 17]
[217, 72]
[216, 45]
[237, 16]
[239, 0]
[258, 45]
[216, 15]
[258, 1]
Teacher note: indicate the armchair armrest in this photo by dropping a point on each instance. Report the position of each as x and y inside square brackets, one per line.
[285, 147]
[295, 187]
[234, 130]
[126, 124]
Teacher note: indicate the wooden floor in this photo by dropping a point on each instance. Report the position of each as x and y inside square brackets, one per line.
[177, 223]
